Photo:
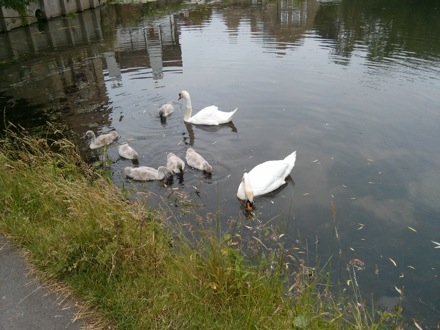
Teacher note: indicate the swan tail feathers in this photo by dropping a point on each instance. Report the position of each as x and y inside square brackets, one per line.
[291, 159]
[230, 115]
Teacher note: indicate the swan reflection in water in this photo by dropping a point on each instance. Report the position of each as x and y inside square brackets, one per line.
[190, 129]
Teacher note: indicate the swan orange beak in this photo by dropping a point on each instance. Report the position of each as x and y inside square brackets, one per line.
[249, 206]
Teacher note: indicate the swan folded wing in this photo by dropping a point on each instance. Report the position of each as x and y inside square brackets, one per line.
[141, 173]
[174, 163]
[212, 116]
[268, 176]
[125, 151]
[225, 117]
[206, 116]
[166, 109]
[196, 162]
[107, 138]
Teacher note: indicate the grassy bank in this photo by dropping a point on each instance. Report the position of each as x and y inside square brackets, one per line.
[121, 259]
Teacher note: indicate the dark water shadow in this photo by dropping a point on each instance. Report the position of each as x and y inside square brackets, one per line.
[215, 128]
[163, 120]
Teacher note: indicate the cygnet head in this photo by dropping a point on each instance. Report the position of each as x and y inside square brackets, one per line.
[207, 168]
[164, 173]
[114, 134]
[90, 134]
[183, 95]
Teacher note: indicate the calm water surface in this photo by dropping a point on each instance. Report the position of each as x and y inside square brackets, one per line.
[353, 86]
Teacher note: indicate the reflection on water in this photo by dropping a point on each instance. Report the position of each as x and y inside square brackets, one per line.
[351, 85]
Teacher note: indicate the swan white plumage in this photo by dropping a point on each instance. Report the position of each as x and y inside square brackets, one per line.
[174, 163]
[127, 152]
[166, 109]
[264, 178]
[197, 161]
[101, 140]
[144, 173]
[207, 116]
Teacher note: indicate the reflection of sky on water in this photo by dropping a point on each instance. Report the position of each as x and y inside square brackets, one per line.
[366, 137]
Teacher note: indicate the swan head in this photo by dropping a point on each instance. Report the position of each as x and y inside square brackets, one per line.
[207, 168]
[248, 192]
[183, 95]
[114, 134]
[135, 156]
[164, 173]
[90, 134]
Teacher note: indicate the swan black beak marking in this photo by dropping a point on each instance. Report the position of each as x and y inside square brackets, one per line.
[180, 96]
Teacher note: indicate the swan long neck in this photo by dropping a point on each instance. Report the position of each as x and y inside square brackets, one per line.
[207, 167]
[92, 137]
[188, 111]
[247, 187]
[162, 172]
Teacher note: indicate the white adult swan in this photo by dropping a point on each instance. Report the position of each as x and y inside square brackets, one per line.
[166, 109]
[207, 116]
[174, 163]
[197, 161]
[265, 178]
[101, 140]
[144, 173]
[127, 152]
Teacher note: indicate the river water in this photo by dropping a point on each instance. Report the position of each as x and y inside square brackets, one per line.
[352, 86]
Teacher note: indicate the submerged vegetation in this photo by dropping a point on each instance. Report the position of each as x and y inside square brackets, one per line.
[137, 270]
